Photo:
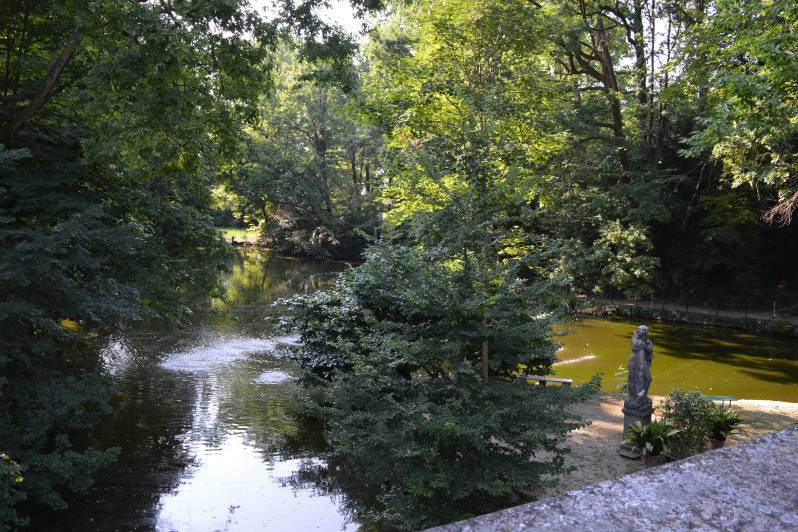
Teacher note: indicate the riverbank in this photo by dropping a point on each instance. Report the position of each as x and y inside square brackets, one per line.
[594, 449]
[250, 239]
[754, 321]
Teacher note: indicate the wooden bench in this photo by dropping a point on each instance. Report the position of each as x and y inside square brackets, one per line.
[721, 398]
[524, 379]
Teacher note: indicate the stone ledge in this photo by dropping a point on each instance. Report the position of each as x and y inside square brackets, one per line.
[749, 486]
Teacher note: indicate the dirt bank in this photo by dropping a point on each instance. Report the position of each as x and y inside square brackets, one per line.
[757, 321]
[594, 449]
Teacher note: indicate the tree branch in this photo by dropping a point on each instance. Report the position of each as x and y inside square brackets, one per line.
[783, 211]
[45, 91]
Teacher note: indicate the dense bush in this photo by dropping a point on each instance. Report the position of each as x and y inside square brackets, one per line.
[397, 350]
[10, 491]
[691, 414]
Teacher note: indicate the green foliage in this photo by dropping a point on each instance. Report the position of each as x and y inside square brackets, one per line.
[652, 439]
[396, 346]
[723, 422]
[752, 117]
[114, 116]
[498, 110]
[435, 323]
[422, 341]
[622, 379]
[416, 349]
[469, 444]
[521, 152]
[309, 169]
[779, 325]
[116, 119]
[619, 254]
[10, 492]
[691, 414]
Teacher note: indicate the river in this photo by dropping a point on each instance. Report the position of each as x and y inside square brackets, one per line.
[205, 427]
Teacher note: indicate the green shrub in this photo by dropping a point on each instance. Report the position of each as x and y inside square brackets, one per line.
[779, 325]
[394, 350]
[691, 414]
[723, 422]
[10, 492]
[651, 439]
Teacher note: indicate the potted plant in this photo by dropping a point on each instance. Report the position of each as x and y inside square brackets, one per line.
[651, 439]
[722, 423]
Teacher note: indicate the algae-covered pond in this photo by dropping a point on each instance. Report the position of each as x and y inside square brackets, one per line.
[713, 360]
[204, 417]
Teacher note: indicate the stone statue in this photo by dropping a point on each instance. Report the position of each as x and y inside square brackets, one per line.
[639, 366]
[638, 405]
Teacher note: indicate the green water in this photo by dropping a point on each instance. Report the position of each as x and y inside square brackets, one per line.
[713, 360]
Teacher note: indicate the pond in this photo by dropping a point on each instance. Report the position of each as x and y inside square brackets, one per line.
[205, 426]
[712, 360]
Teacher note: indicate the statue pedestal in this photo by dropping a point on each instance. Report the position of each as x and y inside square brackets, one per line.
[634, 410]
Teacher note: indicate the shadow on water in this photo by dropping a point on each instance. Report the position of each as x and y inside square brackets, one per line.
[710, 359]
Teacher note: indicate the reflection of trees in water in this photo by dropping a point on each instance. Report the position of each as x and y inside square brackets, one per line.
[152, 459]
[767, 359]
[159, 414]
[357, 502]
[229, 400]
[255, 281]
[719, 343]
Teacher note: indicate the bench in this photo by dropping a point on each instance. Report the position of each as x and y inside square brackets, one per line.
[524, 379]
[721, 398]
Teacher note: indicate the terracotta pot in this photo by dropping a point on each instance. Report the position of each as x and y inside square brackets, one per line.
[716, 444]
[651, 461]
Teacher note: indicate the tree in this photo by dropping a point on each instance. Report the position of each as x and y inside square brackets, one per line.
[114, 117]
[308, 174]
[751, 119]
[396, 352]
[416, 350]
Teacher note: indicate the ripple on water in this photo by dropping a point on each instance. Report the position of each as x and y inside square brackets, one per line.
[574, 360]
[117, 355]
[222, 351]
[273, 377]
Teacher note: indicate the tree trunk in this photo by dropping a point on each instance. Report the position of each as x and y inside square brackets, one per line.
[41, 97]
[641, 69]
[485, 360]
[611, 85]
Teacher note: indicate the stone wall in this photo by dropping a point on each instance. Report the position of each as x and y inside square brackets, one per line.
[750, 486]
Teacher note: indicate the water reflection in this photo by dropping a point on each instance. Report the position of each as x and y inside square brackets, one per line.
[235, 489]
[204, 419]
[220, 351]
